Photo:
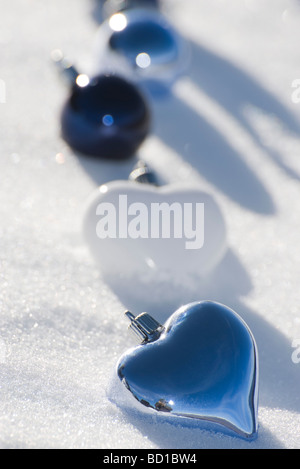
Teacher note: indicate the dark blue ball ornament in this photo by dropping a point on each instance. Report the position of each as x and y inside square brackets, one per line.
[105, 116]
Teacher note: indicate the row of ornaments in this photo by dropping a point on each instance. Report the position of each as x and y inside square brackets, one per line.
[203, 362]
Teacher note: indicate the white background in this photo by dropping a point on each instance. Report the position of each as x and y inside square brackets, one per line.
[230, 127]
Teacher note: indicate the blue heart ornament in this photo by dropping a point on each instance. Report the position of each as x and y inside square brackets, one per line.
[201, 364]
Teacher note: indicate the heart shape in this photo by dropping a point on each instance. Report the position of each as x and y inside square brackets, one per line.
[133, 261]
[203, 365]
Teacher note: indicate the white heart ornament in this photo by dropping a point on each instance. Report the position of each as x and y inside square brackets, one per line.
[141, 44]
[142, 235]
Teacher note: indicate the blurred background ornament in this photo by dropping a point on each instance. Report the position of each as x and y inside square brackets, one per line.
[142, 44]
[105, 116]
[201, 364]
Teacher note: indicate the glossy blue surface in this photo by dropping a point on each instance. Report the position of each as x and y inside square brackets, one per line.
[204, 365]
[145, 35]
[142, 44]
[107, 118]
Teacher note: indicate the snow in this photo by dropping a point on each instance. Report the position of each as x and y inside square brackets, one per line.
[235, 131]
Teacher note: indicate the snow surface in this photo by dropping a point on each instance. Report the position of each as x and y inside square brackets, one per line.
[230, 125]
